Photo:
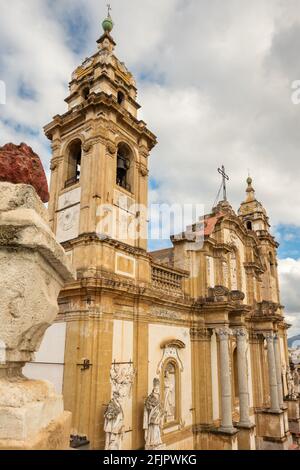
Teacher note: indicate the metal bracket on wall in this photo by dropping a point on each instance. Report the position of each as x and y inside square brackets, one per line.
[86, 365]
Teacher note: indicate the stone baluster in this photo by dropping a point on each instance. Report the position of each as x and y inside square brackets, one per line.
[272, 373]
[241, 335]
[226, 424]
[278, 369]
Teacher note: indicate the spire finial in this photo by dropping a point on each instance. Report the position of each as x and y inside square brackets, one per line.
[250, 191]
[108, 24]
[224, 179]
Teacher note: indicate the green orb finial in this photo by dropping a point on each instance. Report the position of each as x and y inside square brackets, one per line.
[108, 24]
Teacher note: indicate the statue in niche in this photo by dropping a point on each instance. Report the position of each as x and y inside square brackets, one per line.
[153, 419]
[114, 423]
[170, 393]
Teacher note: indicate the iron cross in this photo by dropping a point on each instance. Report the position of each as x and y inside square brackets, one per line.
[225, 178]
[108, 9]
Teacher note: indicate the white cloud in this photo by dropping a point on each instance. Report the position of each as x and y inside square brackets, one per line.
[214, 82]
[289, 272]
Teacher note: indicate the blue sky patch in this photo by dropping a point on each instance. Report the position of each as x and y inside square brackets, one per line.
[289, 238]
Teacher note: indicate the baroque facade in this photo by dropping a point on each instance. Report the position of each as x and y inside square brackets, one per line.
[204, 320]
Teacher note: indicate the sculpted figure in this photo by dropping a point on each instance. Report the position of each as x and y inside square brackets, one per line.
[169, 399]
[114, 423]
[153, 418]
[121, 378]
[290, 384]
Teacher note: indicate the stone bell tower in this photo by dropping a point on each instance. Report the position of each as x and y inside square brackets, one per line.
[255, 218]
[100, 153]
[99, 190]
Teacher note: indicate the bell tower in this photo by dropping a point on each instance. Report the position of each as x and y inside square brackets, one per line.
[99, 167]
[254, 216]
[98, 201]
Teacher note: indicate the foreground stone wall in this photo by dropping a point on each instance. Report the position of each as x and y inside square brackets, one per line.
[33, 270]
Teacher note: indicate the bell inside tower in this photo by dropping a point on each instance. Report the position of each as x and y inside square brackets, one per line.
[123, 166]
[74, 163]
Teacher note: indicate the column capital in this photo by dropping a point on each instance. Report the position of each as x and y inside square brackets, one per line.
[224, 333]
[269, 336]
[241, 333]
[201, 334]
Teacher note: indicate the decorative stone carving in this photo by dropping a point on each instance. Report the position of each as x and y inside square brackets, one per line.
[240, 333]
[170, 351]
[266, 309]
[86, 147]
[224, 333]
[33, 270]
[121, 378]
[218, 294]
[164, 313]
[201, 334]
[114, 423]
[292, 395]
[112, 148]
[153, 419]
[170, 393]
[237, 296]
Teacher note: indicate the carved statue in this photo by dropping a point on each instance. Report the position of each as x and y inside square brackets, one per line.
[291, 384]
[121, 377]
[169, 398]
[296, 381]
[114, 423]
[153, 418]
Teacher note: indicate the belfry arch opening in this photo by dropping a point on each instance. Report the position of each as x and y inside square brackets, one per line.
[249, 225]
[74, 163]
[86, 93]
[124, 164]
[121, 97]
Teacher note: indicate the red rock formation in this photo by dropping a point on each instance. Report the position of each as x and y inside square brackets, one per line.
[19, 164]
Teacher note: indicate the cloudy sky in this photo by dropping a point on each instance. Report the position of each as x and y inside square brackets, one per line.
[215, 81]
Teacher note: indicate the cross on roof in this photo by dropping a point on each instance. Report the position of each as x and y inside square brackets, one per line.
[224, 178]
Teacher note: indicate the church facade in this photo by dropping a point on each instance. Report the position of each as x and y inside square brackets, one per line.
[204, 320]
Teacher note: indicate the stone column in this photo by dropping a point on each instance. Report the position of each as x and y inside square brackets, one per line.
[226, 424]
[278, 369]
[272, 373]
[241, 335]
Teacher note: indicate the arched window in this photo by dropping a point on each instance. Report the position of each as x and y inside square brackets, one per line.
[121, 97]
[249, 225]
[123, 167]
[86, 93]
[74, 163]
[170, 386]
